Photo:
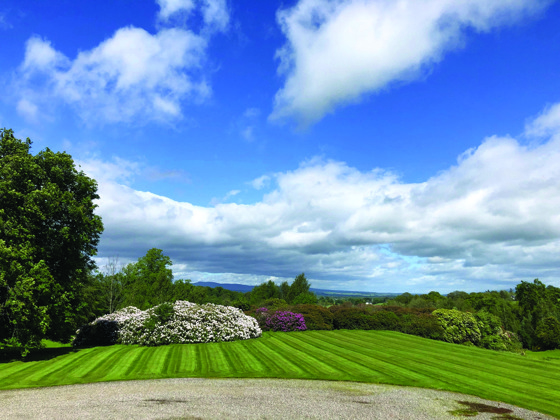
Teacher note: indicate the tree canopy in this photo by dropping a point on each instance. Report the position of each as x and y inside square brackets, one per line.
[149, 281]
[48, 236]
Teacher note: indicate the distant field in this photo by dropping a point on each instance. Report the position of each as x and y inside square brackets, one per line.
[367, 356]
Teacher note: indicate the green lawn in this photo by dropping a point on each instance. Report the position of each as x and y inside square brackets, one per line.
[367, 356]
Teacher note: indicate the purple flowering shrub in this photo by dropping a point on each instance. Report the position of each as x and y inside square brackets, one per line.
[284, 321]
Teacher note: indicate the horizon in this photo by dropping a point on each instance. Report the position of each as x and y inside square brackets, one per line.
[375, 146]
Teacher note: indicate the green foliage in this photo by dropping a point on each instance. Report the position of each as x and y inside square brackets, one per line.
[316, 317]
[308, 298]
[264, 291]
[274, 303]
[536, 302]
[296, 293]
[48, 236]
[548, 334]
[160, 315]
[458, 327]
[299, 286]
[149, 281]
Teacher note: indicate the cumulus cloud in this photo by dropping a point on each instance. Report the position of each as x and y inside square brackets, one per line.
[545, 124]
[170, 7]
[491, 219]
[28, 110]
[134, 74]
[338, 50]
[214, 12]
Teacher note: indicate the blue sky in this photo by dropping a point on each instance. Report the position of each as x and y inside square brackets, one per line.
[375, 145]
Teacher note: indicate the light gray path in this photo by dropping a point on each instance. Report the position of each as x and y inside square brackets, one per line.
[241, 399]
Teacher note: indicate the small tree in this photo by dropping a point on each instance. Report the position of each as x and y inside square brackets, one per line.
[149, 281]
[299, 286]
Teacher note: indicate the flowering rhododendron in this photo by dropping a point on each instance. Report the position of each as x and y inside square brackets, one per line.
[182, 322]
[284, 321]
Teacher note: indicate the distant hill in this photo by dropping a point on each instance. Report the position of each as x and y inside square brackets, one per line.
[229, 286]
[319, 292]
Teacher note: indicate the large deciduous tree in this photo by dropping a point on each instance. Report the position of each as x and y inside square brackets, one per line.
[48, 236]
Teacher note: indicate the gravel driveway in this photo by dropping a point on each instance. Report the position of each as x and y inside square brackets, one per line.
[246, 399]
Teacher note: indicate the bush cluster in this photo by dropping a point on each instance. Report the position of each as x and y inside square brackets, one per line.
[280, 320]
[416, 321]
[179, 323]
[480, 329]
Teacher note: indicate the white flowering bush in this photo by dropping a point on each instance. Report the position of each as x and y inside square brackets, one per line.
[178, 323]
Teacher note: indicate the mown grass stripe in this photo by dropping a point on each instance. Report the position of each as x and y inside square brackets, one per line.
[368, 356]
[133, 360]
[466, 355]
[322, 358]
[296, 359]
[175, 360]
[99, 370]
[167, 360]
[39, 372]
[259, 368]
[515, 391]
[387, 370]
[265, 355]
[340, 357]
[387, 353]
[465, 365]
[142, 355]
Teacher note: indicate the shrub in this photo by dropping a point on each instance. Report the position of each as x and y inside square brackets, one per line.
[104, 331]
[422, 325]
[493, 342]
[488, 324]
[458, 327]
[316, 317]
[274, 303]
[180, 323]
[285, 321]
[305, 298]
[241, 304]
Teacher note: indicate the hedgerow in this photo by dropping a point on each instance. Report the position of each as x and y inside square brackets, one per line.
[179, 323]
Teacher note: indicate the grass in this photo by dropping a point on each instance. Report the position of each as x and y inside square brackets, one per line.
[366, 356]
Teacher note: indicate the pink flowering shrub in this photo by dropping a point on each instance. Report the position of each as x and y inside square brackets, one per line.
[284, 321]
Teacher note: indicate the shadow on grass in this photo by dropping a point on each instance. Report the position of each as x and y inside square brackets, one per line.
[14, 354]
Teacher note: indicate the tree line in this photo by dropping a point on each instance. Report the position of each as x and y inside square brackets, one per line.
[531, 310]
[149, 282]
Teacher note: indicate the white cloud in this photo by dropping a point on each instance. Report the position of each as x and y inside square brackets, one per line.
[28, 110]
[170, 7]
[338, 50]
[487, 222]
[260, 182]
[133, 75]
[118, 170]
[41, 56]
[215, 14]
[546, 123]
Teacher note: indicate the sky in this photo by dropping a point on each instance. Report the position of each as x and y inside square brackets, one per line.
[375, 145]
